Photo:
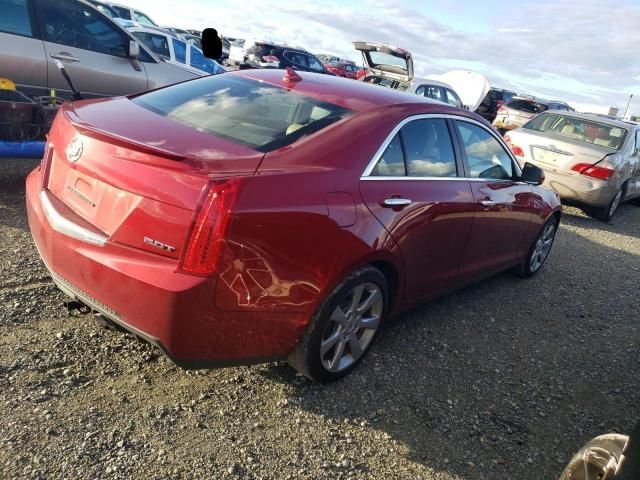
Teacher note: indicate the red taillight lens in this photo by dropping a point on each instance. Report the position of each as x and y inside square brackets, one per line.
[499, 103]
[595, 171]
[271, 59]
[517, 151]
[501, 111]
[210, 229]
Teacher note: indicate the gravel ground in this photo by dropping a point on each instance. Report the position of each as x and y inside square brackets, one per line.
[505, 379]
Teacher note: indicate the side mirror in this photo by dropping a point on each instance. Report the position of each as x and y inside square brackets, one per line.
[532, 174]
[134, 49]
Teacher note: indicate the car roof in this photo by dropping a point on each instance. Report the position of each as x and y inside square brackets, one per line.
[428, 81]
[596, 118]
[351, 94]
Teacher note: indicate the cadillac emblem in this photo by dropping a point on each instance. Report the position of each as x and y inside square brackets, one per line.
[74, 149]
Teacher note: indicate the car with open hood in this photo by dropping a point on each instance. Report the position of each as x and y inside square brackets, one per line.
[268, 214]
[392, 67]
[590, 160]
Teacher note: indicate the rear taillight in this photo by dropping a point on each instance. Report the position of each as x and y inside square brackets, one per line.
[499, 103]
[595, 171]
[517, 151]
[210, 229]
[501, 111]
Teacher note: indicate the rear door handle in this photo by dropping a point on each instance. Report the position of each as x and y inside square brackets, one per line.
[396, 202]
[65, 56]
[487, 203]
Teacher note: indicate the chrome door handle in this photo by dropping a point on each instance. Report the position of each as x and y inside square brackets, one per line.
[487, 203]
[396, 202]
[65, 56]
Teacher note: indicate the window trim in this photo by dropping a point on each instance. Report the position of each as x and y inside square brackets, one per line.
[457, 149]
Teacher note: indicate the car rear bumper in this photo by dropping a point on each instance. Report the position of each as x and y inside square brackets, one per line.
[143, 293]
[580, 189]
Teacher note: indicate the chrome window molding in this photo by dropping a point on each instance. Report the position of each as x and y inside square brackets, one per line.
[67, 227]
[366, 175]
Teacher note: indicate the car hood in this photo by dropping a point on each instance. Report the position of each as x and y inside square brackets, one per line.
[386, 61]
[470, 86]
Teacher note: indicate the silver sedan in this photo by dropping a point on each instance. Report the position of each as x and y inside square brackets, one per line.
[588, 160]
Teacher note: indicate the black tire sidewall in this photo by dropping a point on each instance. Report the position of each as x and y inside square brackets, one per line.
[306, 357]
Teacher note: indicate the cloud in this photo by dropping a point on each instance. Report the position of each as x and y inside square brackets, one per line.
[586, 52]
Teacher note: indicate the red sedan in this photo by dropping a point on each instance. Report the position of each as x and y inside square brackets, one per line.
[341, 69]
[249, 217]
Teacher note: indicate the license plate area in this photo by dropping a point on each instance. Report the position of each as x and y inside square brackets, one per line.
[548, 156]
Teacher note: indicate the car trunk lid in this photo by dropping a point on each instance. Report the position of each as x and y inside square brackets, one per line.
[557, 153]
[135, 175]
[386, 61]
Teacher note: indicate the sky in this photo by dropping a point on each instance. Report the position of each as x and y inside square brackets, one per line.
[586, 53]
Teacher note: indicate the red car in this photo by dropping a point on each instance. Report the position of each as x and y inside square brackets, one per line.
[341, 69]
[249, 217]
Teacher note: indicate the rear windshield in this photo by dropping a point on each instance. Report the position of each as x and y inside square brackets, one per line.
[261, 116]
[527, 105]
[381, 58]
[586, 131]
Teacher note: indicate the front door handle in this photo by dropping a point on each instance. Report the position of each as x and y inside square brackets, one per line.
[487, 203]
[396, 202]
[65, 56]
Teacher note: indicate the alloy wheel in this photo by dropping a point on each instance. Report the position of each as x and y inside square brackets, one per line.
[614, 203]
[542, 247]
[351, 327]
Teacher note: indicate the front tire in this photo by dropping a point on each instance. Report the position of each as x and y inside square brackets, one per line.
[540, 250]
[344, 327]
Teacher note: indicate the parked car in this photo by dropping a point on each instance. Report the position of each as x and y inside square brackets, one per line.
[101, 58]
[196, 40]
[242, 220]
[170, 48]
[273, 55]
[392, 67]
[132, 14]
[435, 90]
[519, 110]
[341, 69]
[496, 97]
[589, 160]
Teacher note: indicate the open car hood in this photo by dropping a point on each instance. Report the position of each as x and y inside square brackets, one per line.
[386, 61]
[470, 86]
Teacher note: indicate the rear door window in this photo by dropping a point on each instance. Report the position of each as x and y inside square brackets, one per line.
[434, 92]
[158, 44]
[179, 50]
[81, 26]
[486, 157]
[142, 18]
[296, 58]
[122, 12]
[15, 17]
[314, 64]
[422, 148]
[261, 116]
[452, 98]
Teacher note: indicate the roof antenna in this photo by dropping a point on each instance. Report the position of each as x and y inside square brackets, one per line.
[290, 76]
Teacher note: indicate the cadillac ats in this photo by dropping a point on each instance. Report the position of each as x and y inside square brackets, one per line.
[267, 215]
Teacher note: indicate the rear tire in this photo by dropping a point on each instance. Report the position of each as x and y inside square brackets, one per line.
[606, 213]
[341, 332]
[539, 251]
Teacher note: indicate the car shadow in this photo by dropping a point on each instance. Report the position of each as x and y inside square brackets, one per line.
[507, 378]
[13, 173]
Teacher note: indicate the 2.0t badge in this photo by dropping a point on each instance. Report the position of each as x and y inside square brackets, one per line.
[74, 149]
[160, 245]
